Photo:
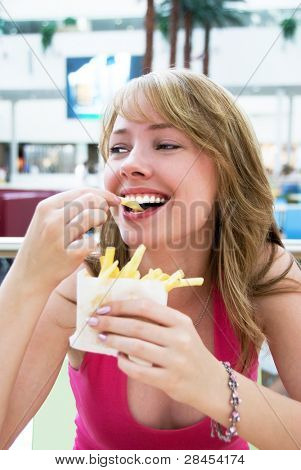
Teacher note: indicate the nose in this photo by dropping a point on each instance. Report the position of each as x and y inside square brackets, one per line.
[135, 166]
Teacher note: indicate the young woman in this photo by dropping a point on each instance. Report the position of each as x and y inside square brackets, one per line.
[177, 136]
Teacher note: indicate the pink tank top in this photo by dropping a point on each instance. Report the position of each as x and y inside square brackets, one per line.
[104, 420]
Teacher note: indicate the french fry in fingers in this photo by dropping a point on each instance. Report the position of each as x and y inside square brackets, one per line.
[131, 204]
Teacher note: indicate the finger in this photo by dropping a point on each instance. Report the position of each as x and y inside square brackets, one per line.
[86, 201]
[149, 375]
[86, 220]
[135, 347]
[132, 328]
[83, 247]
[111, 198]
[59, 200]
[146, 308]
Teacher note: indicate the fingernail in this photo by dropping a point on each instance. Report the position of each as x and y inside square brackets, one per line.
[102, 336]
[117, 199]
[103, 310]
[92, 321]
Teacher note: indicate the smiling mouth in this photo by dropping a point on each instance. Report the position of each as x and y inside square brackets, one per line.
[147, 205]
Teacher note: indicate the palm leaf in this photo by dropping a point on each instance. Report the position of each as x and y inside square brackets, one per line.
[289, 28]
[162, 22]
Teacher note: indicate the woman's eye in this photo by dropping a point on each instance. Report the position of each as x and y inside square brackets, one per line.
[118, 149]
[167, 147]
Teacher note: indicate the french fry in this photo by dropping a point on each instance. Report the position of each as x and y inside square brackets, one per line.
[175, 276]
[109, 269]
[156, 273]
[188, 282]
[136, 275]
[132, 266]
[163, 277]
[107, 259]
[108, 272]
[115, 273]
[148, 275]
[152, 274]
[169, 287]
[131, 204]
[169, 283]
[101, 259]
[191, 281]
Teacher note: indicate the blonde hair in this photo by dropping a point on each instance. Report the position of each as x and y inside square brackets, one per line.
[244, 223]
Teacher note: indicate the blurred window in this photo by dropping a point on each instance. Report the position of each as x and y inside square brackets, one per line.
[46, 158]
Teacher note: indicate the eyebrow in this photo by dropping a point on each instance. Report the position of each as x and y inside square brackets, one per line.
[162, 125]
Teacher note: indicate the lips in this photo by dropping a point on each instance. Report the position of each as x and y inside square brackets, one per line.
[131, 215]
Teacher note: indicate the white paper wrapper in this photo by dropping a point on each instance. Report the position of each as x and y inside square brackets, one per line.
[93, 292]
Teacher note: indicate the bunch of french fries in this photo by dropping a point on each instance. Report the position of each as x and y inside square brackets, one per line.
[109, 270]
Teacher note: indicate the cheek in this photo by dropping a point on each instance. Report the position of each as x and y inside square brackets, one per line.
[110, 179]
[200, 191]
[207, 176]
[111, 183]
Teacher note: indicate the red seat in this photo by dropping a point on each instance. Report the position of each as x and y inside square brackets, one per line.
[16, 210]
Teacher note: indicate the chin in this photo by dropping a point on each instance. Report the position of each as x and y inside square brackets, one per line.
[133, 239]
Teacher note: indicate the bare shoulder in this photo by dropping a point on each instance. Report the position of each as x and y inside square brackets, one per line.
[282, 260]
[280, 313]
[278, 298]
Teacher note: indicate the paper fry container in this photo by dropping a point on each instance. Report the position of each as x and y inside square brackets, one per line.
[93, 292]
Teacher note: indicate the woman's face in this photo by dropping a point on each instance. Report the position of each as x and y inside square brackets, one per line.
[161, 160]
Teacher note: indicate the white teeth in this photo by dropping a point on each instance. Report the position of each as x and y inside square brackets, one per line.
[144, 198]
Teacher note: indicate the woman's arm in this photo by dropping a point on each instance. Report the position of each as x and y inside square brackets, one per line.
[268, 419]
[19, 299]
[35, 370]
[53, 248]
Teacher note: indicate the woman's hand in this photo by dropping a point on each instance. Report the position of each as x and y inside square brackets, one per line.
[53, 247]
[182, 365]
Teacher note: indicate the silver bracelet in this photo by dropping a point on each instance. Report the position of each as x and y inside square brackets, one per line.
[216, 428]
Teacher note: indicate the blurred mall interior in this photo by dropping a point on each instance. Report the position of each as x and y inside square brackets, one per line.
[60, 66]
